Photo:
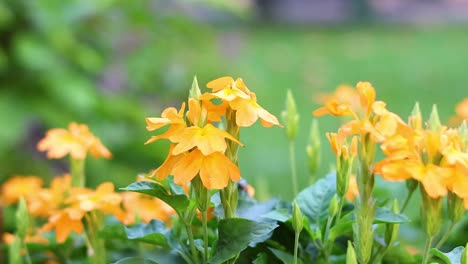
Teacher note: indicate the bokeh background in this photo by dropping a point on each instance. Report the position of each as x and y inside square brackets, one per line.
[111, 63]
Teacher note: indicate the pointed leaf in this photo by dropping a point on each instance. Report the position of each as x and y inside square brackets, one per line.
[135, 261]
[385, 215]
[280, 215]
[285, 257]
[235, 235]
[315, 199]
[452, 257]
[179, 202]
[154, 232]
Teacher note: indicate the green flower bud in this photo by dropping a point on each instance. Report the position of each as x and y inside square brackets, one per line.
[14, 251]
[463, 132]
[297, 218]
[342, 177]
[195, 90]
[430, 214]
[391, 230]
[434, 120]
[411, 185]
[464, 257]
[350, 254]
[22, 219]
[333, 206]
[291, 117]
[416, 110]
[201, 193]
[313, 148]
[455, 207]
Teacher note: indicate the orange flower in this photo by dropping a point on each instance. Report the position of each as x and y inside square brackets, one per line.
[19, 186]
[170, 116]
[353, 190]
[30, 239]
[208, 139]
[47, 200]
[103, 199]
[215, 169]
[76, 141]
[64, 222]
[343, 94]
[248, 111]
[144, 207]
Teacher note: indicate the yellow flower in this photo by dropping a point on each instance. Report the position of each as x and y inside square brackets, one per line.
[64, 222]
[208, 139]
[48, 200]
[170, 116]
[76, 141]
[19, 186]
[215, 169]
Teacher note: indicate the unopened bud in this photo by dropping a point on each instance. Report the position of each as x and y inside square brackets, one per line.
[195, 90]
[463, 133]
[415, 120]
[464, 257]
[291, 117]
[313, 148]
[350, 254]
[22, 219]
[434, 120]
[391, 230]
[455, 207]
[14, 250]
[430, 214]
[297, 218]
[342, 177]
[333, 206]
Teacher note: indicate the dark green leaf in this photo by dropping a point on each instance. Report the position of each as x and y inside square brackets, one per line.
[384, 215]
[280, 215]
[285, 257]
[314, 200]
[235, 234]
[135, 261]
[179, 202]
[154, 232]
[113, 232]
[452, 257]
[262, 258]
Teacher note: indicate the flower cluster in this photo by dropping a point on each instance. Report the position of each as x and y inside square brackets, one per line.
[198, 146]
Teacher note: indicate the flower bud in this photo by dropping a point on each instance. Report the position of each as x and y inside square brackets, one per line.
[14, 250]
[333, 206]
[313, 148]
[455, 207]
[463, 133]
[350, 254]
[22, 219]
[297, 218]
[291, 117]
[391, 230]
[415, 120]
[430, 214]
[195, 90]
[434, 120]
[464, 257]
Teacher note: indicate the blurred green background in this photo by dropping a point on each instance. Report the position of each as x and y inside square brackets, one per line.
[111, 63]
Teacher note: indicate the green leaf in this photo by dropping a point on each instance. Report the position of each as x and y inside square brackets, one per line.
[254, 211]
[285, 257]
[344, 226]
[261, 258]
[179, 202]
[314, 200]
[154, 232]
[235, 234]
[280, 215]
[113, 232]
[385, 215]
[135, 261]
[452, 257]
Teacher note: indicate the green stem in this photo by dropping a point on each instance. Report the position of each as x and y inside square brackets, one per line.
[296, 245]
[325, 242]
[97, 246]
[427, 248]
[194, 251]
[77, 169]
[206, 257]
[340, 208]
[405, 204]
[446, 235]
[292, 159]
[27, 256]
